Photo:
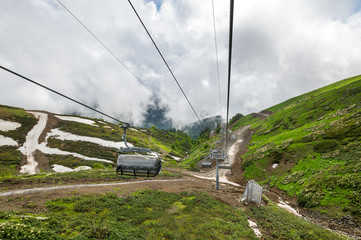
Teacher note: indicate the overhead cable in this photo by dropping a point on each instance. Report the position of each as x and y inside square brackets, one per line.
[101, 42]
[215, 43]
[170, 70]
[229, 61]
[63, 95]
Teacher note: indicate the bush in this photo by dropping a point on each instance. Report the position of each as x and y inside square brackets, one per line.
[325, 146]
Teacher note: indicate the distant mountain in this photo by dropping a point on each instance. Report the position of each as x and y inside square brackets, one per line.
[155, 115]
[195, 129]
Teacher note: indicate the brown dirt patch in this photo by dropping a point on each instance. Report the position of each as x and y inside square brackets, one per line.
[50, 124]
[236, 171]
[43, 162]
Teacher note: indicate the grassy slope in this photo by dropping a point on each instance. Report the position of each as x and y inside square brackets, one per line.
[10, 157]
[149, 214]
[315, 139]
[166, 143]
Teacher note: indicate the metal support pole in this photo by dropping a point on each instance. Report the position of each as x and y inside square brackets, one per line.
[124, 126]
[217, 176]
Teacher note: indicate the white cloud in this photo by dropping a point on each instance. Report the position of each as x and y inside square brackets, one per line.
[280, 49]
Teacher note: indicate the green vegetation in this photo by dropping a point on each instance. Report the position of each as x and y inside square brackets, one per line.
[10, 157]
[85, 148]
[276, 223]
[99, 173]
[146, 214]
[235, 118]
[73, 162]
[9, 160]
[172, 142]
[315, 139]
[18, 115]
[89, 176]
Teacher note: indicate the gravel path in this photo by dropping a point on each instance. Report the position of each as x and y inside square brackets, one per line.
[42, 189]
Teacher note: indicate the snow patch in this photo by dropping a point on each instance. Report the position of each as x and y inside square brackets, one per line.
[274, 165]
[176, 158]
[6, 141]
[77, 119]
[222, 179]
[58, 134]
[256, 231]
[82, 168]
[6, 126]
[61, 168]
[288, 208]
[133, 129]
[31, 143]
[47, 150]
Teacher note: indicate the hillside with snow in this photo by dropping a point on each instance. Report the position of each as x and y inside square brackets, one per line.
[35, 141]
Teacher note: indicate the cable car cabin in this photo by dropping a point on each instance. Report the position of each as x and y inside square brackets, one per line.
[139, 165]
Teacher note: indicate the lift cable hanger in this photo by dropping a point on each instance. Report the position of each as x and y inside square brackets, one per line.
[61, 94]
[170, 70]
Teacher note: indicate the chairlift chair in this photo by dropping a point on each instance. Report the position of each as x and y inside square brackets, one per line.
[218, 155]
[137, 161]
[206, 164]
[225, 165]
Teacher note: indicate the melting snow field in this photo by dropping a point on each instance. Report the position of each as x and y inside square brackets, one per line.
[31, 143]
[288, 208]
[77, 119]
[58, 134]
[253, 225]
[6, 141]
[47, 150]
[175, 158]
[62, 169]
[6, 126]
[222, 179]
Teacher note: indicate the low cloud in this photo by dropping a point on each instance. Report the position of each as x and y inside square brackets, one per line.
[280, 49]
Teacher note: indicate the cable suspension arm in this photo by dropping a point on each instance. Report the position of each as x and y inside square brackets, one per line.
[56, 92]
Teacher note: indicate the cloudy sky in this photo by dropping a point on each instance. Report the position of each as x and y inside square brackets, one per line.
[281, 49]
